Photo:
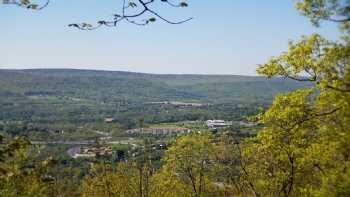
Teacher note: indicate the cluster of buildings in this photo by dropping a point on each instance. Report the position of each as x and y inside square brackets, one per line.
[158, 131]
[247, 124]
[109, 120]
[93, 152]
[216, 124]
[179, 104]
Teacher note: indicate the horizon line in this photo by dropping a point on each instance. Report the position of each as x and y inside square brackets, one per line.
[127, 71]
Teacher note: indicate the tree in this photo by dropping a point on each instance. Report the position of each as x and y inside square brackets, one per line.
[187, 168]
[329, 10]
[17, 176]
[303, 149]
[127, 180]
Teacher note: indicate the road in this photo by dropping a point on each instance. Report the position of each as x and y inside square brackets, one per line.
[80, 142]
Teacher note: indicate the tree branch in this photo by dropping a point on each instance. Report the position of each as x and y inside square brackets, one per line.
[134, 18]
[245, 170]
[124, 16]
[27, 4]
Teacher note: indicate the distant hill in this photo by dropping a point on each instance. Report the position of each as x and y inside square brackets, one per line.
[88, 95]
[115, 85]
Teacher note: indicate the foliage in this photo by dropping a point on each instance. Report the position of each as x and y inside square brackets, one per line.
[196, 165]
[16, 173]
[103, 181]
[329, 10]
[188, 163]
[303, 148]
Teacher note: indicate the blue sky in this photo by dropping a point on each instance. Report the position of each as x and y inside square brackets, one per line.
[225, 37]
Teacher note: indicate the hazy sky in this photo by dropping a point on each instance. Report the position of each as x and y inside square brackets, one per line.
[226, 37]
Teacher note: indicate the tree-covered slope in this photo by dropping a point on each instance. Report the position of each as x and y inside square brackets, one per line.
[50, 95]
[114, 85]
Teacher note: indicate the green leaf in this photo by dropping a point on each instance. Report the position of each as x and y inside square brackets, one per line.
[183, 4]
[132, 4]
[152, 19]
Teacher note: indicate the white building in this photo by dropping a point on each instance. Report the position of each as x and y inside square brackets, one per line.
[158, 131]
[215, 124]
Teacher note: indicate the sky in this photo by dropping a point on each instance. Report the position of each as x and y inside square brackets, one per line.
[225, 37]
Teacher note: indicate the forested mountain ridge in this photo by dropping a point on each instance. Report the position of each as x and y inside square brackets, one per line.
[108, 85]
[78, 96]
